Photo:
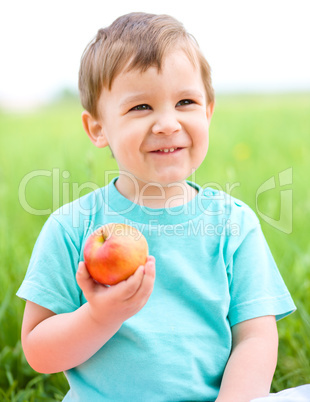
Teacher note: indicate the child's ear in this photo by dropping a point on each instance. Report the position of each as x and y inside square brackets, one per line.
[94, 130]
[210, 109]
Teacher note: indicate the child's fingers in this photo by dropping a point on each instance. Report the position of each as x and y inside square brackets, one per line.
[125, 289]
[83, 278]
[142, 281]
[150, 266]
[131, 285]
[140, 296]
[144, 290]
[149, 278]
[150, 258]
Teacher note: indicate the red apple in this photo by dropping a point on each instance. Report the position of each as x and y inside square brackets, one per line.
[113, 252]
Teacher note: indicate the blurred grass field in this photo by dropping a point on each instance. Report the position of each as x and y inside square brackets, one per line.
[252, 138]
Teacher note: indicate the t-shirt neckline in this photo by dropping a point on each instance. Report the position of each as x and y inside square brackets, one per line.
[121, 205]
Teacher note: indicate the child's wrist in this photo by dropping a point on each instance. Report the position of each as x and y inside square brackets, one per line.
[102, 319]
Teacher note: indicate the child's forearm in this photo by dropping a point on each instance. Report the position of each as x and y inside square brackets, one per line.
[63, 341]
[248, 373]
[54, 343]
[251, 367]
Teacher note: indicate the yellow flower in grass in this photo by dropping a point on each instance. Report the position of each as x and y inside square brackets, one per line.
[241, 151]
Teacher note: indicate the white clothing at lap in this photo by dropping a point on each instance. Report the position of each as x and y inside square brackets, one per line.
[298, 394]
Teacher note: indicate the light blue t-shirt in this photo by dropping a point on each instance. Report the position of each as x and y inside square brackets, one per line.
[213, 270]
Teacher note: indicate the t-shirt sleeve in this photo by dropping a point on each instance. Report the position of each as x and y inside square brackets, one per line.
[50, 278]
[256, 286]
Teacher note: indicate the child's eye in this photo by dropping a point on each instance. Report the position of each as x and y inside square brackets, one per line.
[184, 102]
[141, 107]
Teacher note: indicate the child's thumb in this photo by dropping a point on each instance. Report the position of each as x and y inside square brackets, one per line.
[83, 278]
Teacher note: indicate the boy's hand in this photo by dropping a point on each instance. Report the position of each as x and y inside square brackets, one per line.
[118, 302]
[57, 342]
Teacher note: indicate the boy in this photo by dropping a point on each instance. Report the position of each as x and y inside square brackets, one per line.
[205, 330]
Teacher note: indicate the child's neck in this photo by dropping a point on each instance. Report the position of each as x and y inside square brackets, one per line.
[155, 195]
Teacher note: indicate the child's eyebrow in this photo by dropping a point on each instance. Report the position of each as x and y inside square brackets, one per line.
[189, 93]
[132, 99]
[140, 97]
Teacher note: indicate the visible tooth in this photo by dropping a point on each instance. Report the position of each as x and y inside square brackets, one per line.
[166, 150]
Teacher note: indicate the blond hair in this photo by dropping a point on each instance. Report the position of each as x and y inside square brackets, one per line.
[135, 40]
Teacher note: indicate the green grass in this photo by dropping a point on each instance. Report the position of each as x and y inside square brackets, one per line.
[252, 138]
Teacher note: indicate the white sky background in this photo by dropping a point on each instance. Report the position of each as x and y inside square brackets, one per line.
[251, 45]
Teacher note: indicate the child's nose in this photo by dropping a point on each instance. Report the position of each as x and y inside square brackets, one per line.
[166, 123]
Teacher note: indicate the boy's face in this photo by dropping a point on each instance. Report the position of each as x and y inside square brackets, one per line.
[156, 123]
